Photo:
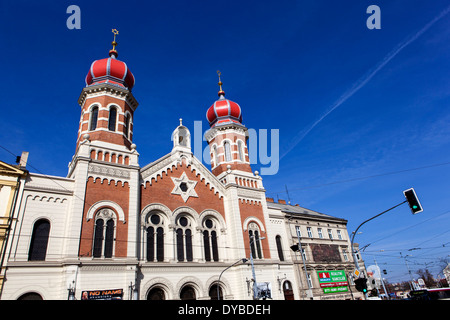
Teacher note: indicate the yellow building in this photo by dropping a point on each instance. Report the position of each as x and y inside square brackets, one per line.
[12, 180]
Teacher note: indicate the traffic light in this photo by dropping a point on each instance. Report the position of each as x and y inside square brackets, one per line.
[361, 285]
[413, 201]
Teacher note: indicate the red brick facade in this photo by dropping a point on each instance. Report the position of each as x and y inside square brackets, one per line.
[100, 191]
[160, 191]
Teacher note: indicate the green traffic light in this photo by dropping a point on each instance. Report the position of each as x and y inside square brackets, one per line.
[415, 207]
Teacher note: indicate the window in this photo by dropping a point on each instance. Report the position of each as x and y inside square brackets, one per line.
[279, 248]
[214, 290]
[297, 229]
[210, 240]
[184, 239]
[308, 276]
[109, 238]
[98, 238]
[39, 241]
[344, 253]
[104, 230]
[155, 238]
[304, 254]
[255, 241]
[339, 234]
[226, 146]
[156, 294]
[216, 157]
[187, 293]
[127, 126]
[241, 153]
[112, 119]
[319, 231]
[183, 186]
[309, 232]
[94, 117]
[330, 234]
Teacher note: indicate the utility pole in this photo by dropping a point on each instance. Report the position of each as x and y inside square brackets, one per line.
[409, 271]
[381, 278]
[299, 248]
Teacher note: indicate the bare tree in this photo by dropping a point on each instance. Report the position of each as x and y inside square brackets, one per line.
[427, 277]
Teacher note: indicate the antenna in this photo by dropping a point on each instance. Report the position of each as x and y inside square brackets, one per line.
[287, 192]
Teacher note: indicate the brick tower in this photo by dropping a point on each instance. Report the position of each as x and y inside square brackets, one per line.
[105, 165]
[227, 139]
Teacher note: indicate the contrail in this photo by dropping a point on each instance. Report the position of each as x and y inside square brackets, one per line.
[361, 82]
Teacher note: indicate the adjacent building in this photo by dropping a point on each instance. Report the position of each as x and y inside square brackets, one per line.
[12, 181]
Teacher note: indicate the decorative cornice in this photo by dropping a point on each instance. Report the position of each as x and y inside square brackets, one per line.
[108, 171]
[109, 89]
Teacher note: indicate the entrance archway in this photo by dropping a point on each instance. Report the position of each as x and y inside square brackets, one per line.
[287, 290]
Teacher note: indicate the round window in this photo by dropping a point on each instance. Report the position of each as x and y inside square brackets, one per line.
[208, 223]
[183, 221]
[155, 219]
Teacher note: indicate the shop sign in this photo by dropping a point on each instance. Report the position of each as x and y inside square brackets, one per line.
[115, 294]
[333, 281]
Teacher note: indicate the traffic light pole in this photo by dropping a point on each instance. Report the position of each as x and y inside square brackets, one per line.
[354, 233]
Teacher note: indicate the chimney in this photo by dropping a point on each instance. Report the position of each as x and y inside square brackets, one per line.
[269, 199]
[23, 159]
[281, 201]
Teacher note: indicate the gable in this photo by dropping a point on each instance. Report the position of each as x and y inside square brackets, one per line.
[7, 169]
[181, 182]
[167, 164]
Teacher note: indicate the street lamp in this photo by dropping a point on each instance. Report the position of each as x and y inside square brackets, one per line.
[218, 282]
[298, 247]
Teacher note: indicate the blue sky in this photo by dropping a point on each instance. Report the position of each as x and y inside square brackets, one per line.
[362, 114]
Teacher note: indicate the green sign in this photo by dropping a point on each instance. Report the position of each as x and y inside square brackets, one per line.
[333, 281]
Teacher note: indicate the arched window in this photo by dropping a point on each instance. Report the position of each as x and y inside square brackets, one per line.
[156, 294]
[109, 238]
[94, 117]
[240, 150]
[39, 241]
[210, 240]
[213, 292]
[187, 293]
[184, 239]
[112, 119]
[255, 241]
[215, 156]
[127, 126]
[98, 238]
[279, 248]
[155, 238]
[227, 148]
[104, 230]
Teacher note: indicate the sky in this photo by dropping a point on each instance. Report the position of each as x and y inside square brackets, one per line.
[362, 114]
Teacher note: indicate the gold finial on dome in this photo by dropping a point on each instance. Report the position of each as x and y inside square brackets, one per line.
[113, 51]
[221, 92]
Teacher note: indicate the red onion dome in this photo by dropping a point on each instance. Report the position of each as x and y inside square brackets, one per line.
[110, 70]
[224, 111]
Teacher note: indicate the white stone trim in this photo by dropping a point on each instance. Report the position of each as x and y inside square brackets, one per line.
[105, 203]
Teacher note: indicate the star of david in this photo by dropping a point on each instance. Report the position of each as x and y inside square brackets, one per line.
[184, 187]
